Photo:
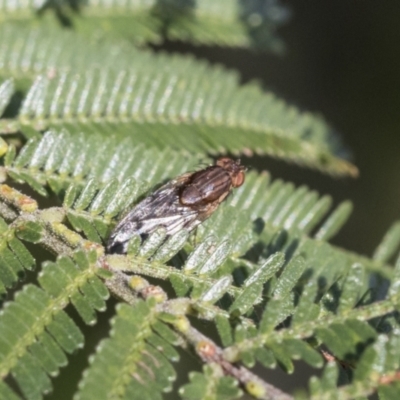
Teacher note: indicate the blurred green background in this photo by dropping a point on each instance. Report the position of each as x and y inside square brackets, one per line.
[342, 61]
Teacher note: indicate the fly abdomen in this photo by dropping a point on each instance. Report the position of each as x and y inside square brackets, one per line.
[206, 186]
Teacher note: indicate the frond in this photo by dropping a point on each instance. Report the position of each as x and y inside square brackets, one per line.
[300, 314]
[291, 279]
[26, 52]
[336, 317]
[135, 362]
[61, 159]
[35, 332]
[377, 368]
[183, 105]
[165, 111]
[224, 23]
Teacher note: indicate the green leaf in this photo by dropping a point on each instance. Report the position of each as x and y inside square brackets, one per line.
[7, 393]
[198, 257]
[180, 284]
[275, 312]
[306, 309]
[14, 257]
[389, 244]
[171, 246]
[216, 258]
[303, 351]
[203, 130]
[289, 277]
[224, 330]
[352, 286]
[152, 243]
[210, 385]
[6, 91]
[328, 380]
[223, 24]
[282, 355]
[253, 285]
[30, 232]
[217, 290]
[332, 225]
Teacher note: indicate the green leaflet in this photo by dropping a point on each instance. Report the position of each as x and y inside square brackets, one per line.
[6, 91]
[14, 258]
[133, 363]
[217, 290]
[332, 225]
[210, 385]
[389, 244]
[253, 285]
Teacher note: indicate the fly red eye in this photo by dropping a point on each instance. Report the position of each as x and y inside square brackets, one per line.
[238, 180]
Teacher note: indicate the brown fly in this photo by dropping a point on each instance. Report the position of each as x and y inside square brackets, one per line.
[182, 203]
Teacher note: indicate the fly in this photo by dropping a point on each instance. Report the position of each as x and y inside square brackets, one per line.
[182, 203]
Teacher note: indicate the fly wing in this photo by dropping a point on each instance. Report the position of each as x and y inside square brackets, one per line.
[161, 208]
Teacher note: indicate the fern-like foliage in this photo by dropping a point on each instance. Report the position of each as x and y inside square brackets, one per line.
[161, 101]
[205, 275]
[135, 362]
[43, 161]
[36, 333]
[226, 23]
[279, 348]
[96, 124]
[212, 384]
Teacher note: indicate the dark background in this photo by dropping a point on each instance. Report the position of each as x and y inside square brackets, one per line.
[342, 61]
